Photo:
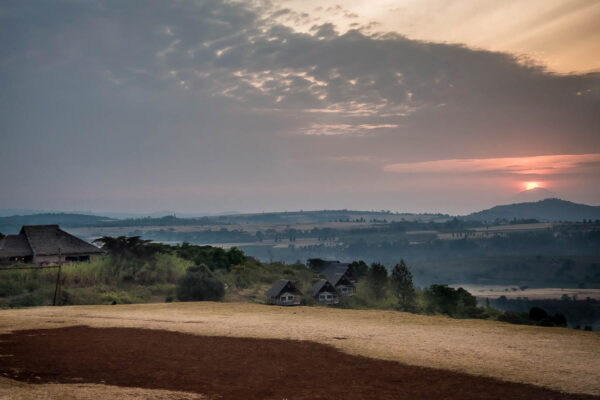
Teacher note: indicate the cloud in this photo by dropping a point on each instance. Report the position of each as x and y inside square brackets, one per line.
[534, 165]
[138, 95]
[346, 129]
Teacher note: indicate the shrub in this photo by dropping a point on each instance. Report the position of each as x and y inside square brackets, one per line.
[199, 284]
[453, 302]
[537, 314]
[513, 317]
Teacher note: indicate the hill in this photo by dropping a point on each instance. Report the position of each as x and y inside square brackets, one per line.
[545, 210]
[12, 224]
[533, 195]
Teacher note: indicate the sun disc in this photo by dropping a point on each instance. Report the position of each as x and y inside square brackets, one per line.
[531, 185]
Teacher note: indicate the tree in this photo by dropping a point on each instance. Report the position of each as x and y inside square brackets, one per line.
[402, 286]
[454, 302]
[130, 253]
[199, 284]
[377, 279]
[358, 269]
[316, 264]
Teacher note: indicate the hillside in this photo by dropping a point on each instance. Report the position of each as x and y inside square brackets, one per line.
[12, 224]
[545, 210]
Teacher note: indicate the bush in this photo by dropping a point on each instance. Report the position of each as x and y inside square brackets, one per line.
[513, 317]
[537, 314]
[454, 302]
[199, 284]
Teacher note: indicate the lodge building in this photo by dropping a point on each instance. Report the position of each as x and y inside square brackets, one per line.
[45, 244]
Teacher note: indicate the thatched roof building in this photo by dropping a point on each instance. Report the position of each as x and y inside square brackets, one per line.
[284, 293]
[324, 292]
[43, 244]
[338, 274]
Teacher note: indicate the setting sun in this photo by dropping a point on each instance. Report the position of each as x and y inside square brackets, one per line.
[531, 185]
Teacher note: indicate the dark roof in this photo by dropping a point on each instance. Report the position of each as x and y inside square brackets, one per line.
[50, 240]
[43, 240]
[335, 272]
[280, 286]
[14, 246]
[320, 285]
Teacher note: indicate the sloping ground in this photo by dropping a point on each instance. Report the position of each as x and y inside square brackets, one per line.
[14, 390]
[236, 368]
[555, 358]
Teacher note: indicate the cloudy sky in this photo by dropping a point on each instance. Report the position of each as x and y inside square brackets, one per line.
[210, 106]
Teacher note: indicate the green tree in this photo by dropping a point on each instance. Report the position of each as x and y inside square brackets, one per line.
[358, 269]
[199, 284]
[129, 254]
[402, 286]
[377, 279]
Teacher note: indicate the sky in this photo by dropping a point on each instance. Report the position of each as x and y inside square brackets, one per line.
[214, 106]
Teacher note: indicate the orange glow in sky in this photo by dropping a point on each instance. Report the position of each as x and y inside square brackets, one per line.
[531, 185]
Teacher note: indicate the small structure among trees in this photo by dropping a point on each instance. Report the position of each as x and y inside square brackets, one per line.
[324, 292]
[338, 274]
[284, 293]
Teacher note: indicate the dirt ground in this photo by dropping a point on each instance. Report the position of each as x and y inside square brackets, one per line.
[235, 368]
[15, 390]
[556, 358]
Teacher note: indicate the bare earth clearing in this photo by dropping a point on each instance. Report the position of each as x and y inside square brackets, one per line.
[555, 358]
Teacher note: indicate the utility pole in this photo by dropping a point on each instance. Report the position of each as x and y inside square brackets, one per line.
[58, 287]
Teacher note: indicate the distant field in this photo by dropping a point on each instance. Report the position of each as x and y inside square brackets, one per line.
[513, 292]
[556, 358]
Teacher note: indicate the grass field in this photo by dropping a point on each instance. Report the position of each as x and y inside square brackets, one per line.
[556, 358]
[13, 390]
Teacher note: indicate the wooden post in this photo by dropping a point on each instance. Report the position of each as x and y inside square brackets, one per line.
[58, 287]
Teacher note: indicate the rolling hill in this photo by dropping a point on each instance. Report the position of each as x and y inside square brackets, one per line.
[12, 224]
[545, 210]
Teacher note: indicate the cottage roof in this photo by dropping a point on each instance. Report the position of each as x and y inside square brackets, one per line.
[280, 286]
[14, 246]
[41, 240]
[321, 285]
[50, 240]
[335, 272]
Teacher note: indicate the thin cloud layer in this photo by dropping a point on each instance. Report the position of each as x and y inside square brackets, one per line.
[536, 165]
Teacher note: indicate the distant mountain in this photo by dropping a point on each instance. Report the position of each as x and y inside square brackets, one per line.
[12, 224]
[532, 195]
[545, 210]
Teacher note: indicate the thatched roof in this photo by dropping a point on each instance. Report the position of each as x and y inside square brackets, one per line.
[44, 240]
[14, 246]
[335, 272]
[322, 285]
[283, 285]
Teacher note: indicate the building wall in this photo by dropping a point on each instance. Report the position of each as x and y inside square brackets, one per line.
[349, 290]
[54, 259]
[334, 298]
[278, 300]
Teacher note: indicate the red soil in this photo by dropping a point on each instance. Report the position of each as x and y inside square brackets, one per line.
[235, 368]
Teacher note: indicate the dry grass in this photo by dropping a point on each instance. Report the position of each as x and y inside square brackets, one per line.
[556, 358]
[13, 390]
[514, 292]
